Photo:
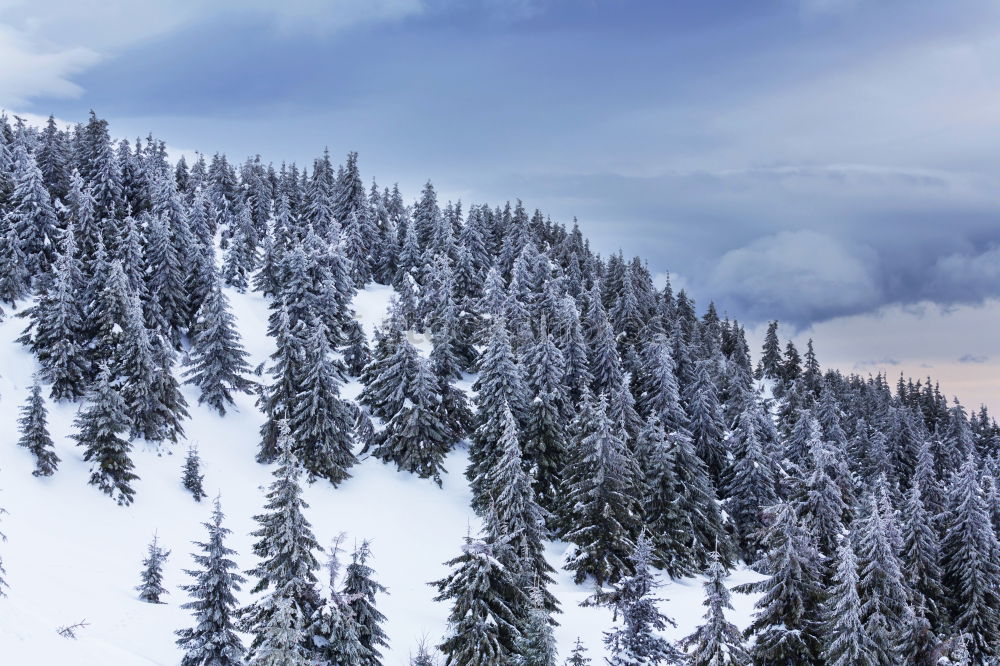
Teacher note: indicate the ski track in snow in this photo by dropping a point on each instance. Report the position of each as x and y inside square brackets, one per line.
[73, 554]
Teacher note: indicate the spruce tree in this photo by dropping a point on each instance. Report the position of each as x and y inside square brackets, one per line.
[885, 612]
[638, 641]
[285, 545]
[33, 425]
[500, 382]
[785, 625]
[705, 420]
[280, 639]
[668, 526]
[356, 353]
[823, 507]
[278, 399]
[193, 478]
[845, 640]
[151, 588]
[537, 645]
[482, 624]
[750, 484]
[392, 368]
[602, 487]
[921, 559]
[544, 436]
[136, 371]
[770, 360]
[578, 657]
[321, 422]
[717, 642]
[519, 520]
[30, 214]
[99, 428]
[697, 502]
[14, 278]
[218, 361]
[416, 438]
[213, 640]
[56, 320]
[360, 590]
[969, 554]
[423, 656]
[334, 629]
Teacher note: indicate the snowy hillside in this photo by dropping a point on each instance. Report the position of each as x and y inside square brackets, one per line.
[73, 555]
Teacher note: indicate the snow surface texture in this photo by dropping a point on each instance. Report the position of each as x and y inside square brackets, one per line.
[72, 554]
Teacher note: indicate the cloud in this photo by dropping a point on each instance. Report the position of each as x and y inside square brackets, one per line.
[967, 277]
[29, 70]
[44, 44]
[974, 358]
[861, 365]
[797, 276]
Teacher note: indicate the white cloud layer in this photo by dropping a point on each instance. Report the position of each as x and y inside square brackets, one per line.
[800, 273]
[43, 43]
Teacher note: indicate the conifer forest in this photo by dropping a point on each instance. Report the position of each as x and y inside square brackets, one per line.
[276, 414]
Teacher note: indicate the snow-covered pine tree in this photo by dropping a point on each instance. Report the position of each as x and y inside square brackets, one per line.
[770, 360]
[423, 657]
[416, 438]
[705, 420]
[30, 215]
[14, 277]
[213, 640]
[845, 640]
[241, 255]
[278, 399]
[165, 277]
[718, 641]
[578, 656]
[885, 612]
[193, 478]
[638, 640]
[99, 428]
[151, 588]
[333, 628]
[921, 559]
[280, 639]
[605, 363]
[519, 520]
[54, 331]
[822, 506]
[482, 624]
[537, 644]
[544, 434]
[500, 382]
[169, 404]
[285, 545]
[655, 385]
[393, 367]
[785, 625]
[697, 502]
[356, 352]
[360, 590]
[136, 370]
[33, 425]
[969, 553]
[750, 483]
[603, 489]
[218, 361]
[669, 530]
[321, 422]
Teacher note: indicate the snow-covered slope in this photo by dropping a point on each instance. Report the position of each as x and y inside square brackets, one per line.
[72, 554]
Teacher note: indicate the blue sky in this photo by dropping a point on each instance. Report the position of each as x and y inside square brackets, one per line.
[832, 163]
